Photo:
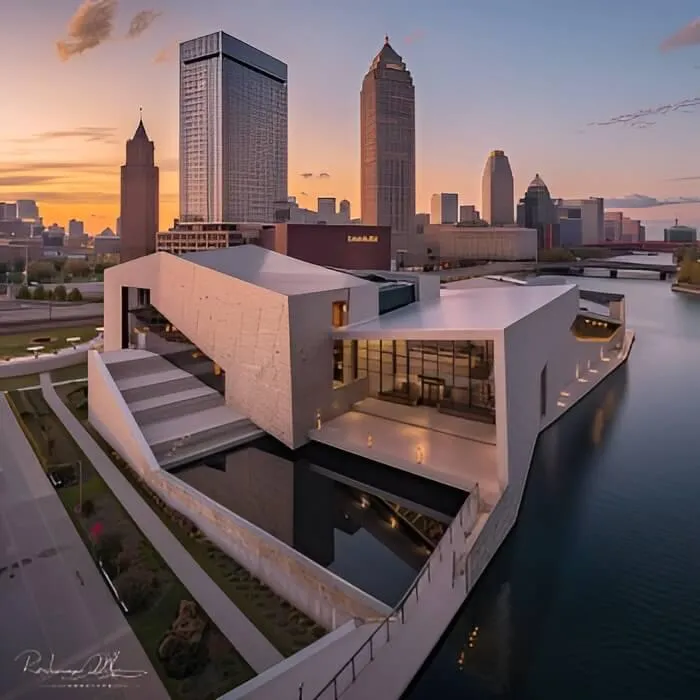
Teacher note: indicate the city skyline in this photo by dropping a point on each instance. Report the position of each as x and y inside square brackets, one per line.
[68, 159]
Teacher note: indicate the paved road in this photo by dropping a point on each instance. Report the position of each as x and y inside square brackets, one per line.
[14, 311]
[43, 605]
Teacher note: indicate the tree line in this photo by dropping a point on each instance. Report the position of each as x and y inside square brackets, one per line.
[688, 260]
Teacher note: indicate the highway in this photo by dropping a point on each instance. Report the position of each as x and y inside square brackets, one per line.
[17, 316]
[52, 597]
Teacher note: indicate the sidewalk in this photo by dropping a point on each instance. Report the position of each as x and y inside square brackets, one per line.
[243, 635]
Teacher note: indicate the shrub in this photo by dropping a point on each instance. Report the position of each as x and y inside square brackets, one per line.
[88, 508]
[23, 292]
[107, 549]
[60, 293]
[39, 293]
[75, 295]
[136, 587]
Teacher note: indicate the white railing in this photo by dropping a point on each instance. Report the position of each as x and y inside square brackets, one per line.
[455, 545]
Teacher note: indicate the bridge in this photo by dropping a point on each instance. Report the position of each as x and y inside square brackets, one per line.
[614, 266]
[637, 246]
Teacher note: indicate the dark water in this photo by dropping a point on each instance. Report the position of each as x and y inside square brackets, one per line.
[345, 525]
[596, 593]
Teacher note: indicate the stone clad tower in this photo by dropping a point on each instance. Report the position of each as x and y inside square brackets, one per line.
[388, 147]
[497, 196]
[139, 197]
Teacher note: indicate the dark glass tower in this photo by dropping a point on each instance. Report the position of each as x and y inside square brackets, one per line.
[537, 210]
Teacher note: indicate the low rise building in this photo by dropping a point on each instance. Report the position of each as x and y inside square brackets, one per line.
[680, 234]
[190, 237]
[450, 244]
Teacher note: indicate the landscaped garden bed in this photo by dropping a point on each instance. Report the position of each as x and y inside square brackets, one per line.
[192, 657]
[288, 629]
[53, 339]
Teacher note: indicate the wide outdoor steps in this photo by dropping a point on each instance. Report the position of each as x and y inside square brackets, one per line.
[181, 418]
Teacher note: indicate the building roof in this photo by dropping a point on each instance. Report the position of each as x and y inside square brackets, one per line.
[537, 183]
[459, 313]
[273, 271]
[387, 55]
[140, 134]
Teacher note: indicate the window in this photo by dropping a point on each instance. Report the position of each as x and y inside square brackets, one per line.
[543, 392]
[340, 313]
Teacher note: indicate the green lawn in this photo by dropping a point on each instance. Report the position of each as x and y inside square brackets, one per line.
[225, 668]
[16, 345]
[288, 629]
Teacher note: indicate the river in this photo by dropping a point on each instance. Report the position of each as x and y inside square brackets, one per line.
[596, 593]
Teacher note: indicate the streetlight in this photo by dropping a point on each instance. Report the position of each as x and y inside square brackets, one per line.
[73, 341]
[36, 349]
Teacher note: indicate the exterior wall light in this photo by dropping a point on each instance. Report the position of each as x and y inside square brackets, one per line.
[419, 454]
[318, 419]
[370, 440]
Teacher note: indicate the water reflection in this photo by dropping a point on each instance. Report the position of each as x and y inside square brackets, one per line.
[355, 527]
[488, 653]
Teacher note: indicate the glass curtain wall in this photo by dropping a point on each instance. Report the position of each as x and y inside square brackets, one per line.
[455, 377]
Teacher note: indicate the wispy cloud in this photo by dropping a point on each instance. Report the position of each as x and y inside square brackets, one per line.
[92, 134]
[306, 176]
[643, 201]
[687, 36]
[324, 176]
[167, 54]
[414, 37]
[93, 24]
[687, 178]
[18, 180]
[641, 119]
[141, 21]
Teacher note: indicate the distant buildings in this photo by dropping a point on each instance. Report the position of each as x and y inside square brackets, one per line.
[388, 147]
[622, 229]
[421, 221]
[450, 244]
[344, 211]
[139, 197]
[537, 210]
[680, 234]
[497, 197]
[326, 210]
[233, 131]
[107, 243]
[581, 221]
[468, 214]
[444, 208]
[76, 228]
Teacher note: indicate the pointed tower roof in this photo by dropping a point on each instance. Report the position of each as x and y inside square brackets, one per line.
[387, 55]
[537, 183]
[140, 133]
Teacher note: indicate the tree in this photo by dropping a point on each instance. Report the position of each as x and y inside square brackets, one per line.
[77, 268]
[88, 508]
[18, 265]
[23, 292]
[39, 293]
[75, 295]
[40, 271]
[58, 264]
[60, 293]
[4, 268]
[556, 255]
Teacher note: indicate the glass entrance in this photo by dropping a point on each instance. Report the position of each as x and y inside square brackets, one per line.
[432, 391]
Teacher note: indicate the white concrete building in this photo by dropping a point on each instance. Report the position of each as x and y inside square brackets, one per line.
[451, 384]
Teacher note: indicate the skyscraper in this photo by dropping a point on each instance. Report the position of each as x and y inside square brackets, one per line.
[344, 210]
[139, 197]
[497, 198]
[388, 147]
[444, 208]
[233, 131]
[537, 210]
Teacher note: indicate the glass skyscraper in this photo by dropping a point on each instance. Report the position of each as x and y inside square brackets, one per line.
[233, 131]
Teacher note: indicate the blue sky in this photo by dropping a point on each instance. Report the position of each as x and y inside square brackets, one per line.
[527, 77]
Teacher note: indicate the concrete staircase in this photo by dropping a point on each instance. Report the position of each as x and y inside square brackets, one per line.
[181, 418]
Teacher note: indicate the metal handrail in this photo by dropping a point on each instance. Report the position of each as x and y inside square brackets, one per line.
[398, 610]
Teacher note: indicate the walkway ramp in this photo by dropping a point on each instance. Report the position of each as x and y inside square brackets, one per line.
[180, 417]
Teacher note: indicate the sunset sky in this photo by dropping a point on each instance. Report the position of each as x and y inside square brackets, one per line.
[526, 77]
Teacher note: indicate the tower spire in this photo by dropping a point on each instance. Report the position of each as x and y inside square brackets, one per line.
[386, 38]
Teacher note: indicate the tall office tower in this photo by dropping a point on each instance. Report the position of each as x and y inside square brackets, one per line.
[591, 211]
[444, 208]
[388, 147]
[139, 197]
[497, 198]
[326, 209]
[233, 131]
[76, 228]
[537, 210]
[344, 211]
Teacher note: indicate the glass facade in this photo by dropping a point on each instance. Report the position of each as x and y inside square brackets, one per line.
[233, 131]
[454, 376]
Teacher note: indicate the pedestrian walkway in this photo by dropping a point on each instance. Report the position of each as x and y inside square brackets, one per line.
[236, 627]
